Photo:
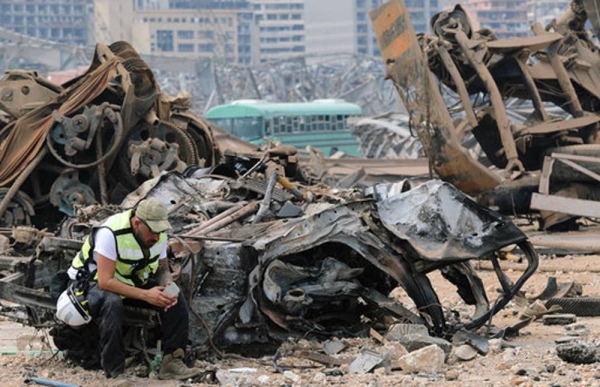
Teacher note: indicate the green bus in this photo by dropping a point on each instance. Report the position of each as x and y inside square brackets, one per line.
[320, 123]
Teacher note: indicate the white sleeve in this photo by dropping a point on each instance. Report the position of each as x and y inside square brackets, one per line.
[105, 244]
[163, 251]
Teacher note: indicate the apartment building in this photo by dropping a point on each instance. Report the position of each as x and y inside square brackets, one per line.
[344, 26]
[544, 11]
[278, 29]
[421, 12]
[64, 21]
[194, 29]
[506, 18]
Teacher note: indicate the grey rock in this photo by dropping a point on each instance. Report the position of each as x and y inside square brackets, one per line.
[413, 342]
[578, 353]
[398, 331]
[429, 359]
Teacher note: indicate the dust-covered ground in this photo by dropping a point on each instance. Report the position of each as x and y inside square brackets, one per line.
[528, 360]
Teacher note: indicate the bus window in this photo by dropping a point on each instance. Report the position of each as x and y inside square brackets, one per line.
[340, 122]
[307, 123]
[223, 123]
[300, 122]
[321, 126]
[268, 127]
[249, 128]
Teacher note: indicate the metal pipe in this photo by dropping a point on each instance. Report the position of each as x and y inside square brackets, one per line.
[247, 210]
[48, 382]
[531, 87]
[266, 202]
[101, 170]
[200, 229]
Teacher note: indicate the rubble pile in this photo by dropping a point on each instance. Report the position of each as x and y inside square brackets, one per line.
[277, 252]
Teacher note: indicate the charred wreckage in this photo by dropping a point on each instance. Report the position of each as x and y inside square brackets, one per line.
[458, 83]
[264, 249]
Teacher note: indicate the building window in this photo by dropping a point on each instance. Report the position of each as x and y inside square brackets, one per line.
[164, 40]
[185, 47]
[206, 35]
[208, 47]
[185, 34]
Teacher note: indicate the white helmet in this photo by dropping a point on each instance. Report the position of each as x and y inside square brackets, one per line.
[72, 309]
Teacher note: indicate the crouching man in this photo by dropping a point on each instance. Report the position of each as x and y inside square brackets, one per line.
[125, 262]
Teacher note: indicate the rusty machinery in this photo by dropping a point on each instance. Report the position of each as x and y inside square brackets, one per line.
[93, 139]
[558, 67]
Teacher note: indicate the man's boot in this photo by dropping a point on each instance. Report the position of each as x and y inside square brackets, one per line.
[172, 367]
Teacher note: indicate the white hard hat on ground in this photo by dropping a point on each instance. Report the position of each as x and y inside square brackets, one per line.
[71, 308]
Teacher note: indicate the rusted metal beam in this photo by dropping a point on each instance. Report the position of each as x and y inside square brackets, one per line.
[536, 98]
[504, 126]
[407, 66]
[561, 73]
[459, 82]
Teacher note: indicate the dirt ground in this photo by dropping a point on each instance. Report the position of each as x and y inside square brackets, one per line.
[530, 360]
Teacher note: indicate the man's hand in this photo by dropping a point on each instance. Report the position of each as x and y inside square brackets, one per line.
[157, 297]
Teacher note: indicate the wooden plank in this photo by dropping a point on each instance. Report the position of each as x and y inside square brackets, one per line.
[578, 207]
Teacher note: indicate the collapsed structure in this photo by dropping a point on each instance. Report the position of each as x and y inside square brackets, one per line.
[548, 161]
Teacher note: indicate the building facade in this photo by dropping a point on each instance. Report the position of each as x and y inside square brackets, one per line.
[344, 26]
[506, 18]
[421, 12]
[64, 21]
[194, 29]
[279, 29]
[544, 11]
[238, 31]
